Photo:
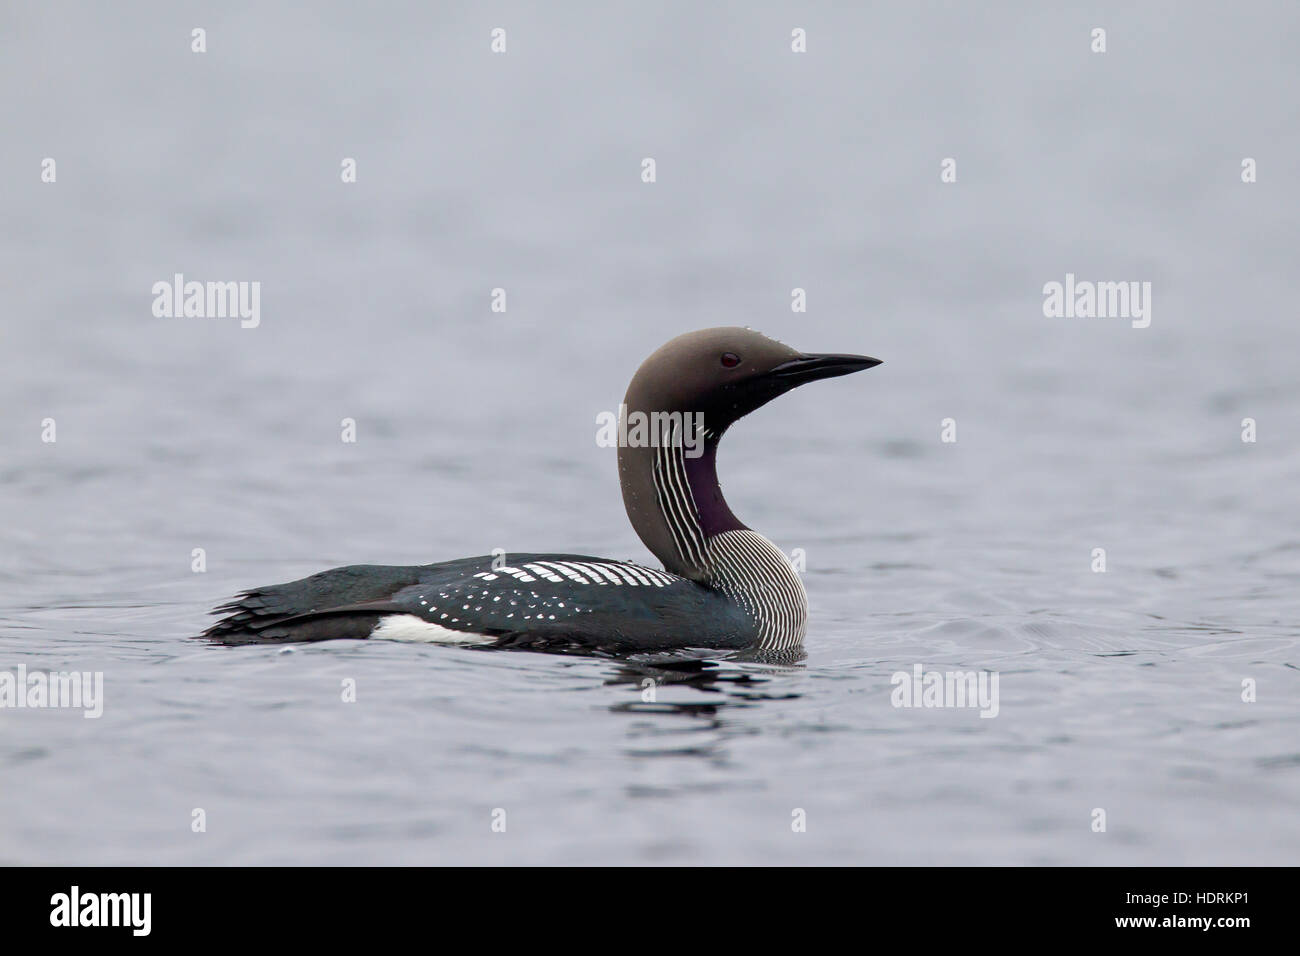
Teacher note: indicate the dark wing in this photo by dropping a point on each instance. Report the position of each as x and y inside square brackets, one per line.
[550, 602]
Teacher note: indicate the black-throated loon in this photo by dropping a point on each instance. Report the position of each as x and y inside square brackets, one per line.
[723, 586]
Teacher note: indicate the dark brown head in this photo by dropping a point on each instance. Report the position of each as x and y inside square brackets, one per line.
[708, 378]
[726, 373]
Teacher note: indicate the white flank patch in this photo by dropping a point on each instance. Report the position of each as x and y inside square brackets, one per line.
[408, 627]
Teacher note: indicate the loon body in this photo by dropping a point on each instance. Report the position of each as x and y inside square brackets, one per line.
[722, 585]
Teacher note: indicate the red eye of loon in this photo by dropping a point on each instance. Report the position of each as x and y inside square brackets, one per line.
[730, 359]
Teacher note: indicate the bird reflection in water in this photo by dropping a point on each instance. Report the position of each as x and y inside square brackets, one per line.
[726, 685]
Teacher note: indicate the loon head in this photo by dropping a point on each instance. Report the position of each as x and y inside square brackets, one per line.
[726, 373]
[680, 402]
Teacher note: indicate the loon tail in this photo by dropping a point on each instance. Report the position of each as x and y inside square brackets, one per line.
[343, 602]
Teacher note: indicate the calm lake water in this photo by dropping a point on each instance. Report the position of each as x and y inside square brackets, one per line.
[1120, 691]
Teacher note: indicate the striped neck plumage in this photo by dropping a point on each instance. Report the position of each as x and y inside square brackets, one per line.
[711, 546]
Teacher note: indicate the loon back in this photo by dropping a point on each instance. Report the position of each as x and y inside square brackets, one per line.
[725, 586]
[539, 602]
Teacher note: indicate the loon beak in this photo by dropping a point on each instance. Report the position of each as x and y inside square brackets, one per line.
[809, 368]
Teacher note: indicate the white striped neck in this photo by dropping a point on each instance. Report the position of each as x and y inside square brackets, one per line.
[711, 546]
[754, 571]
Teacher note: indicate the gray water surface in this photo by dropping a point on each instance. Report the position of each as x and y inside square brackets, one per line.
[1119, 691]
